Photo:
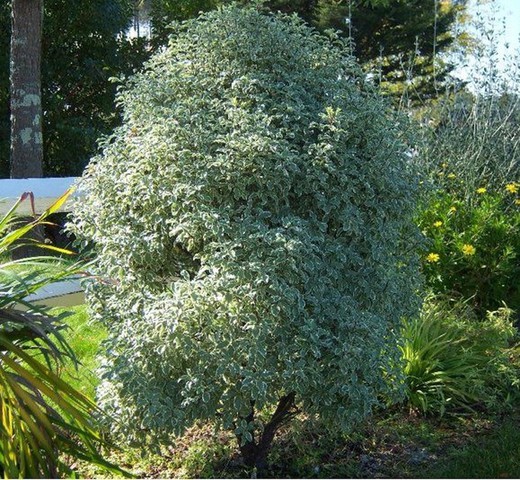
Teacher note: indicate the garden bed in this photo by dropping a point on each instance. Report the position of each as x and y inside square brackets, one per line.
[393, 443]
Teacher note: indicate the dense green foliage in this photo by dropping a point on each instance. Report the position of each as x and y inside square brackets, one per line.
[81, 50]
[164, 12]
[472, 212]
[475, 246]
[253, 219]
[83, 47]
[398, 41]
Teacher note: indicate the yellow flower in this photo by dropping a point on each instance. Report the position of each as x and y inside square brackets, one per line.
[433, 257]
[452, 175]
[437, 224]
[517, 201]
[452, 209]
[512, 187]
[468, 249]
[444, 165]
[481, 190]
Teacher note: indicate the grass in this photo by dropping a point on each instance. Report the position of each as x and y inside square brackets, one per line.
[84, 337]
[496, 455]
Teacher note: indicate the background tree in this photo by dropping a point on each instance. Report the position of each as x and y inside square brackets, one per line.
[164, 12]
[254, 212]
[399, 41]
[402, 43]
[83, 46]
[26, 153]
[5, 128]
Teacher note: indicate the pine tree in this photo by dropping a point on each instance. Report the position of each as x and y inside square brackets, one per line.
[398, 41]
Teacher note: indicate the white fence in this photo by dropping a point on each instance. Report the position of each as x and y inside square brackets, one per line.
[46, 191]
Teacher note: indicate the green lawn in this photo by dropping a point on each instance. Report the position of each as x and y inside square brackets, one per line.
[84, 337]
[496, 455]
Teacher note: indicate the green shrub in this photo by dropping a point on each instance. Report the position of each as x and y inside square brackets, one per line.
[452, 361]
[471, 158]
[475, 244]
[254, 218]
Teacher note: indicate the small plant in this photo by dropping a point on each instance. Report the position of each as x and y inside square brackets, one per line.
[474, 249]
[453, 362]
[41, 416]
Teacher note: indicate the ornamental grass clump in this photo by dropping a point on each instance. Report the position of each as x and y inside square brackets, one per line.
[454, 362]
[252, 218]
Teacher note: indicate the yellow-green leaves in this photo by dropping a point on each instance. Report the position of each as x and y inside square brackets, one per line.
[41, 416]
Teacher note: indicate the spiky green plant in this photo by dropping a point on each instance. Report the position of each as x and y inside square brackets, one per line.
[453, 362]
[41, 416]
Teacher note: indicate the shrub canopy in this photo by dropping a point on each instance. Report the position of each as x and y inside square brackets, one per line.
[253, 215]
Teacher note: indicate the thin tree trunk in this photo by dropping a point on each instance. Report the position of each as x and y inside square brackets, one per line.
[254, 452]
[26, 105]
[25, 102]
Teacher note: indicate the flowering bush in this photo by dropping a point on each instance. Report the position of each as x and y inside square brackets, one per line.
[475, 243]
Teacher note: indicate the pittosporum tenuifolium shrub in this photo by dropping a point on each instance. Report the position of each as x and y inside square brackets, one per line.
[253, 219]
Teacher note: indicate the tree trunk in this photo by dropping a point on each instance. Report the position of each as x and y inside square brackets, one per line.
[26, 105]
[255, 453]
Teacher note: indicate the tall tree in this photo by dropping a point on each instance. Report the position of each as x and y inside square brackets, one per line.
[5, 29]
[83, 46]
[397, 40]
[25, 91]
[402, 43]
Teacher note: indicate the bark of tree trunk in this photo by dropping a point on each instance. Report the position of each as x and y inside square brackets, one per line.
[255, 452]
[25, 90]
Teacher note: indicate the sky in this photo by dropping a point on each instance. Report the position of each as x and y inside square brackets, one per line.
[509, 11]
[502, 17]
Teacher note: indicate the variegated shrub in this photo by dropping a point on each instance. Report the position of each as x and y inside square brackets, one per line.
[252, 221]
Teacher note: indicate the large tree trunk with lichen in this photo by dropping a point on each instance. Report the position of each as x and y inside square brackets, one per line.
[26, 106]
[255, 451]
[26, 156]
